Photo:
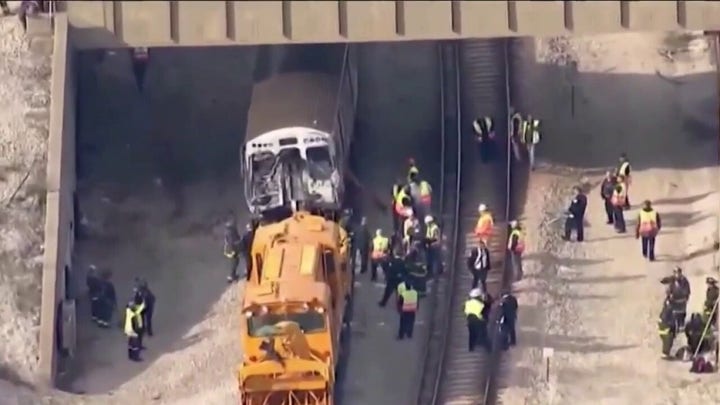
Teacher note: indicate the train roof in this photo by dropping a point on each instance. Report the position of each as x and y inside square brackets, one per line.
[311, 229]
[286, 291]
[298, 99]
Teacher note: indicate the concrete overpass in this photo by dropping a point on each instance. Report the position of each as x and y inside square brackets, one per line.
[198, 23]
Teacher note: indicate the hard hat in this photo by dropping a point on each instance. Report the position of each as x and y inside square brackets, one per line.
[428, 219]
[378, 232]
[536, 122]
[475, 293]
[514, 223]
[482, 207]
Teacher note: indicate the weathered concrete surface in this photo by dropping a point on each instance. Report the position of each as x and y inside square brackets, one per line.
[190, 23]
[59, 204]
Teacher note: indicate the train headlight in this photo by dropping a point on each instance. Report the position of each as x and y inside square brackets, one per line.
[306, 306]
[320, 310]
[248, 314]
[264, 310]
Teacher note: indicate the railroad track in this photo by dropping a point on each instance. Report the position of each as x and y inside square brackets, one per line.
[474, 83]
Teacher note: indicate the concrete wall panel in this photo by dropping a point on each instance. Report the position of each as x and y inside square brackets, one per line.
[652, 15]
[59, 201]
[370, 20]
[428, 19]
[595, 16]
[313, 21]
[145, 21]
[202, 21]
[258, 22]
[483, 18]
[703, 15]
[540, 18]
[89, 14]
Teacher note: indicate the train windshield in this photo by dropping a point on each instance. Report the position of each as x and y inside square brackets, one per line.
[262, 163]
[319, 162]
[264, 325]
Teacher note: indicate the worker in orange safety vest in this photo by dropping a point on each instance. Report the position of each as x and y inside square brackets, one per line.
[485, 224]
[618, 201]
[623, 170]
[379, 254]
[516, 247]
[648, 226]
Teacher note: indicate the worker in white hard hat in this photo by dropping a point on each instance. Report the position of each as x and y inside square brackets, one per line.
[485, 224]
[477, 327]
[379, 254]
[411, 226]
[432, 244]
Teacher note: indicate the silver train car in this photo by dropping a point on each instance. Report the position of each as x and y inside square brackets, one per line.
[299, 130]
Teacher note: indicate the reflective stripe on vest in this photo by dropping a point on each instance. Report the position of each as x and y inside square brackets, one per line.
[130, 315]
[401, 288]
[410, 301]
[396, 191]
[485, 225]
[618, 198]
[401, 209]
[648, 222]
[520, 245]
[432, 232]
[474, 307]
[622, 170]
[380, 246]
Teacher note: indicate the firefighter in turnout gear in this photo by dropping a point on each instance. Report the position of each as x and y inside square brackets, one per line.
[379, 254]
[516, 247]
[711, 301]
[147, 297]
[408, 306]
[517, 134]
[697, 342]
[667, 329]
[394, 275]
[415, 263]
[413, 170]
[479, 265]
[531, 139]
[485, 137]
[396, 190]
[607, 188]
[618, 202]
[485, 224]
[232, 246]
[678, 294]
[623, 170]
[134, 327]
[648, 226]
[432, 244]
[477, 326]
[508, 311]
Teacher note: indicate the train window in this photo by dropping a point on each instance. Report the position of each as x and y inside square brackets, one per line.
[265, 325]
[288, 141]
[329, 261]
[320, 165]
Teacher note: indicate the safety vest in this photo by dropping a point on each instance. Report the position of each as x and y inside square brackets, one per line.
[425, 193]
[432, 232]
[474, 307]
[401, 288]
[410, 301]
[401, 209]
[618, 197]
[624, 167]
[133, 313]
[395, 191]
[380, 247]
[648, 222]
[520, 245]
[484, 227]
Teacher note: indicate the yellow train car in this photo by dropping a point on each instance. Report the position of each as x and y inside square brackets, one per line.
[296, 312]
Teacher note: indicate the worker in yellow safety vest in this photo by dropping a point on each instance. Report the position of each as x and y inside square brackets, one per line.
[618, 200]
[623, 170]
[485, 224]
[379, 254]
[516, 247]
[134, 327]
[396, 190]
[408, 306]
[403, 205]
[648, 226]
[476, 324]
[425, 192]
[432, 244]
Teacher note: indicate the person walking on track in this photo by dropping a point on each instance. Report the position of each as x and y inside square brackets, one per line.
[648, 226]
[408, 306]
[485, 224]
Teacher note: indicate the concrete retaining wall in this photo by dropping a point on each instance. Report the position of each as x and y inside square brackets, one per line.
[59, 219]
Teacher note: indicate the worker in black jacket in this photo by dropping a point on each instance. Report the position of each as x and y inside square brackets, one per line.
[395, 272]
[143, 292]
[107, 300]
[231, 248]
[606, 192]
[508, 318]
[478, 262]
[246, 240]
[94, 284]
[576, 215]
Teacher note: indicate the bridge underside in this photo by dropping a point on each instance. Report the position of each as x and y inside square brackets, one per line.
[200, 23]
